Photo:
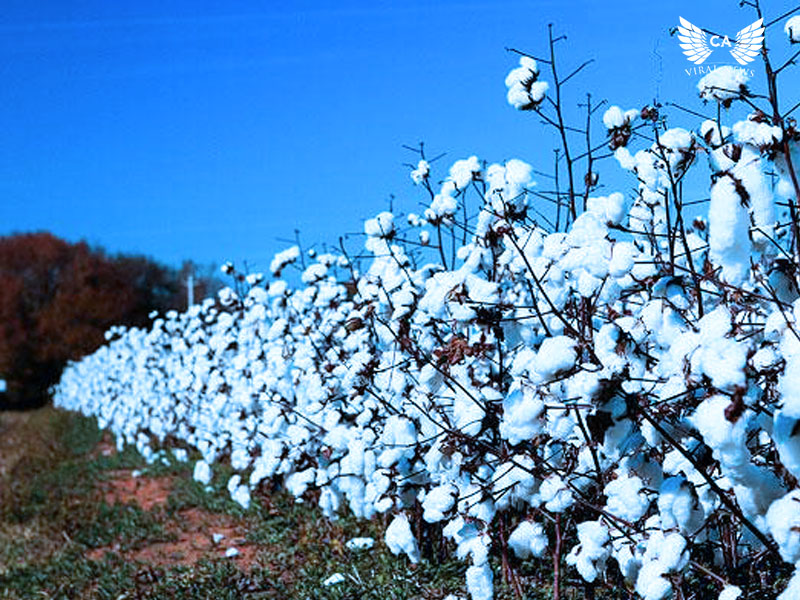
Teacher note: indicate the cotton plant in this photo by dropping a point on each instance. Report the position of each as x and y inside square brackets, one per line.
[612, 387]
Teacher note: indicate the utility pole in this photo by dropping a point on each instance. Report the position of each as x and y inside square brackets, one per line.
[189, 291]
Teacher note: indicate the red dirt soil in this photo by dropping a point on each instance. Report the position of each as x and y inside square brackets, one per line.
[189, 532]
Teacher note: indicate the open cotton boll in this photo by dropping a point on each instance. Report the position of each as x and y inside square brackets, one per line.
[729, 225]
[590, 554]
[480, 582]
[438, 501]
[400, 540]
[731, 592]
[792, 591]
[334, 579]
[528, 539]
[792, 29]
[360, 543]
[202, 472]
[613, 117]
[283, 258]
[783, 521]
[625, 498]
[420, 174]
[556, 355]
[724, 84]
[522, 416]
[381, 226]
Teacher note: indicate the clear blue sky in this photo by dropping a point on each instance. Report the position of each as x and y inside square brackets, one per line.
[209, 130]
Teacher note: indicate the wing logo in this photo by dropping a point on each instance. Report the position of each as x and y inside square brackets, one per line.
[698, 46]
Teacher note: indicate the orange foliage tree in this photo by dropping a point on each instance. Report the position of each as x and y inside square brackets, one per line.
[57, 299]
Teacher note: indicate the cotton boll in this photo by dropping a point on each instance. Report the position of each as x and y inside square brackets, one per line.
[479, 582]
[202, 472]
[731, 592]
[724, 84]
[522, 415]
[625, 498]
[792, 29]
[382, 226]
[360, 543]
[729, 223]
[438, 501]
[783, 521]
[399, 538]
[590, 554]
[528, 539]
[555, 494]
[678, 505]
[613, 117]
[556, 354]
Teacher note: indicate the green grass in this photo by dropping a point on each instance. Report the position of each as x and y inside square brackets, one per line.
[52, 516]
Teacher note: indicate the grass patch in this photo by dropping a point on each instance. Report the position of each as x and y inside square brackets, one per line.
[64, 534]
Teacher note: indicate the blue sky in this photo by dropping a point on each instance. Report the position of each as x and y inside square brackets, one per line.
[211, 130]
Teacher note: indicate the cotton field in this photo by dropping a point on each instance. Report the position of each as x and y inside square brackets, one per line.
[605, 381]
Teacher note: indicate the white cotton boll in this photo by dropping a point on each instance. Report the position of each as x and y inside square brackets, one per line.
[757, 134]
[464, 171]
[673, 555]
[678, 505]
[438, 501]
[625, 158]
[783, 521]
[360, 543]
[731, 592]
[467, 413]
[787, 441]
[528, 539]
[589, 556]
[381, 226]
[281, 259]
[729, 237]
[625, 498]
[792, 591]
[622, 259]
[792, 29]
[522, 416]
[709, 131]
[400, 540]
[518, 96]
[613, 118]
[479, 582]
[334, 579]
[231, 553]
[202, 472]
[650, 585]
[724, 84]
[556, 495]
[420, 174]
[556, 355]
[538, 91]
[424, 237]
